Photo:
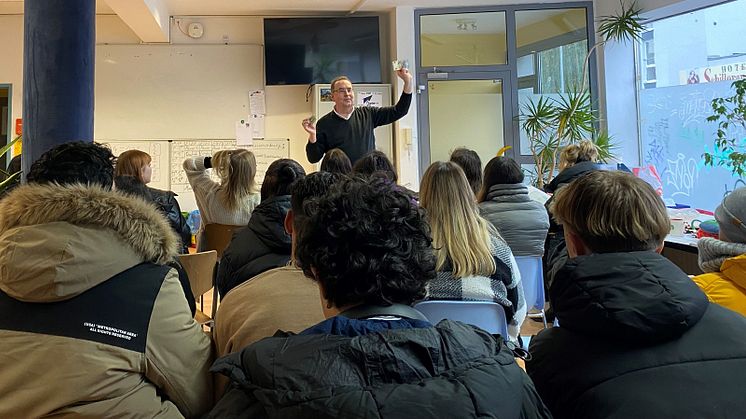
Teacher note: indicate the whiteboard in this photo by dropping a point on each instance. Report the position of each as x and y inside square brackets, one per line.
[174, 91]
[266, 151]
[159, 153]
[184, 149]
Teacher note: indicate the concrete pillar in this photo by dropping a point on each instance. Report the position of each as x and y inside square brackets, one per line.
[58, 72]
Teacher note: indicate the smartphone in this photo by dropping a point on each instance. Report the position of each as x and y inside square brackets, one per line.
[312, 119]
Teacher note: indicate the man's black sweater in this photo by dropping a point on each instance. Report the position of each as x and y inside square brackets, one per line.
[354, 136]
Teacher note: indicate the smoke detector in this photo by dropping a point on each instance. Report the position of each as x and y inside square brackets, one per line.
[195, 30]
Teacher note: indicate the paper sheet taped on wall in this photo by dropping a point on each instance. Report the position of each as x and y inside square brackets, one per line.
[244, 133]
[257, 126]
[256, 102]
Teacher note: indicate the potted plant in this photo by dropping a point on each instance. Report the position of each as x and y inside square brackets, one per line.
[552, 123]
[730, 115]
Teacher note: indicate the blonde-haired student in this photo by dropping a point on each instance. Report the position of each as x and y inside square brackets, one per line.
[473, 262]
[233, 199]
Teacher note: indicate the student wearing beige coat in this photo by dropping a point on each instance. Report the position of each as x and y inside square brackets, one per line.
[93, 322]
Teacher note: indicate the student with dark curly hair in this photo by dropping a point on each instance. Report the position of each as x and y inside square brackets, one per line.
[368, 247]
[263, 244]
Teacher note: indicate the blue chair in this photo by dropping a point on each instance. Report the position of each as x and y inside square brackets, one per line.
[486, 315]
[532, 278]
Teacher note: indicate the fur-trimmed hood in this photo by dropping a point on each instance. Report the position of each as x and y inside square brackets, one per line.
[56, 241]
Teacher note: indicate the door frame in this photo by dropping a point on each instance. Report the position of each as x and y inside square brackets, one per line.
[423, 120]
[513, 137]
[10, 135]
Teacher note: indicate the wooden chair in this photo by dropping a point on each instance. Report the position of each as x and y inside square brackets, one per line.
[218, 236]
[200, 268]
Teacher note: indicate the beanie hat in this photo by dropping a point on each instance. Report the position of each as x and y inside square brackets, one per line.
[731, 215]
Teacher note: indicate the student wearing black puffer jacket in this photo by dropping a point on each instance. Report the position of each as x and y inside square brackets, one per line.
[263, 244]
[637, 338]
[575, 161]
[368, 248]
[133, 173]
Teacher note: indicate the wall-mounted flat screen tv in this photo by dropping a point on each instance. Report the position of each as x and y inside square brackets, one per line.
[316, 50]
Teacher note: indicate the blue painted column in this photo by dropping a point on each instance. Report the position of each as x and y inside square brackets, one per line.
[58, 73]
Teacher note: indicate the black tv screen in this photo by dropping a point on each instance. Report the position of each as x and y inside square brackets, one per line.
[316, 50]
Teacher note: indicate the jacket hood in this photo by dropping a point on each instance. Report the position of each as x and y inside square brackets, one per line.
[59, 241]
[636, 297]
[569, 174]
[267, 222]
[509, 192]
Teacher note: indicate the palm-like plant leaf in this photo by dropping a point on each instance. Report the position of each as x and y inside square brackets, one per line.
[623, 27]
[575, 116]
[537, 117]
[606, 145]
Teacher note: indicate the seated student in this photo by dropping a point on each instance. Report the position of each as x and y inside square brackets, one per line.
[505, 203]
[473, 261]
[724, 260]
[132, 173]
[233, 199]
[263, 244]
[281, 298]
[92, 322]
[374, 356]
[336, 161]
[575, 161]
[375, 162]
[637, 338]
[471, 164]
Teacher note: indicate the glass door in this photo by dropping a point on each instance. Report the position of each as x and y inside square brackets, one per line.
[467, 110]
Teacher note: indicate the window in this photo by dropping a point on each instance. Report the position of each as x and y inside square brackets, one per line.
[463, 39]
[684, 62]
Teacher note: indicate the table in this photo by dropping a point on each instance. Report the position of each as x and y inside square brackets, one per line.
[683, 252]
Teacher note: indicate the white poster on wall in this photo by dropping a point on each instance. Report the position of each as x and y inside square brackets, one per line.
[370, 99]
[244, 133]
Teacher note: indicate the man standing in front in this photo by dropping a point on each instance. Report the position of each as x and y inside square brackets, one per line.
[349, 128]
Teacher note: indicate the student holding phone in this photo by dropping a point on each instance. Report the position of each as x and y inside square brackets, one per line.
[350, 128]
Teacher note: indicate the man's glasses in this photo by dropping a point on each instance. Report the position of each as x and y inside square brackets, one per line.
[343, 90]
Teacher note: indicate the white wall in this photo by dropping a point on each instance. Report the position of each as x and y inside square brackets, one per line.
[286, 105]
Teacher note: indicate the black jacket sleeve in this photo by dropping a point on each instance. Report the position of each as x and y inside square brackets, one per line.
[178, 222]
[388, 114]
[315, 151]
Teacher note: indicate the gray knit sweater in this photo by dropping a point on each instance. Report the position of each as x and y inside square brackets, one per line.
[503, 287]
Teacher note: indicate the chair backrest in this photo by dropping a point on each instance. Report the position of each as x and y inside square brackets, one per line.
[218, 237]
[486, 315]
[199, 268]
[532, 279]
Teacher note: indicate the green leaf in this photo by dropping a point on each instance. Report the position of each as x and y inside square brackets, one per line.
[624, 26]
